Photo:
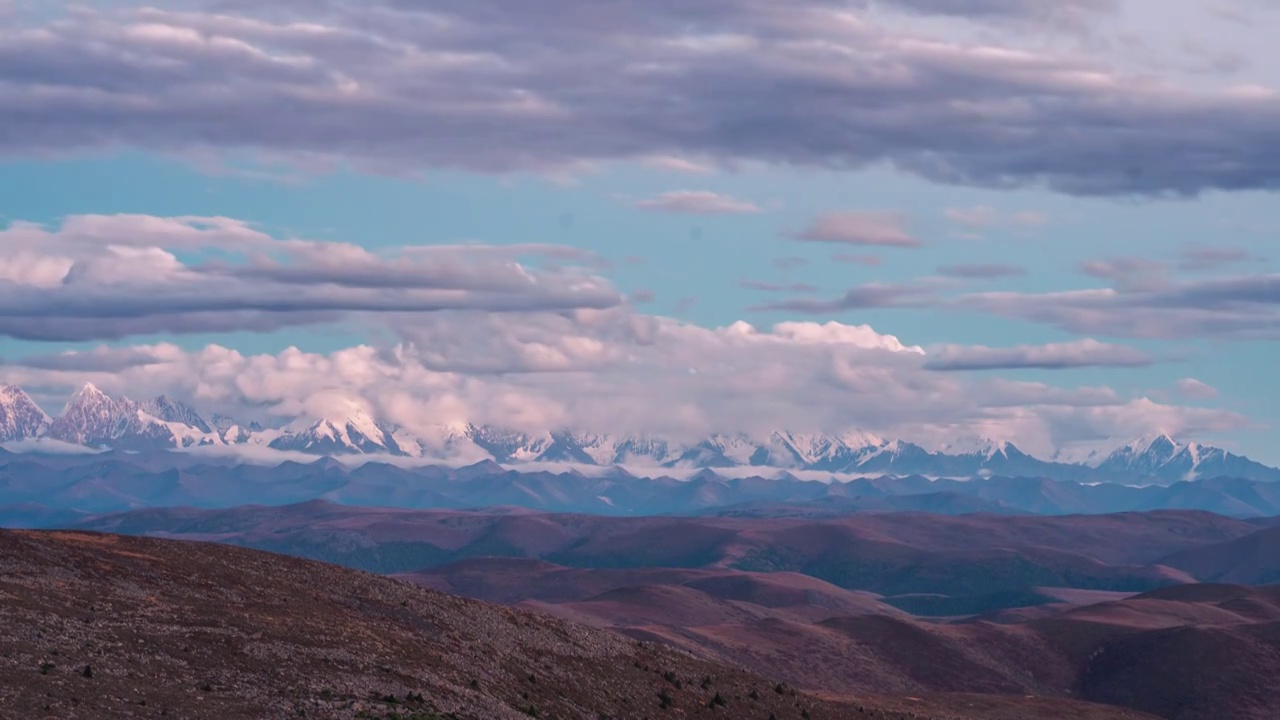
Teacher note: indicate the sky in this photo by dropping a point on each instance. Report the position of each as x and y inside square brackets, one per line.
[1049, 222]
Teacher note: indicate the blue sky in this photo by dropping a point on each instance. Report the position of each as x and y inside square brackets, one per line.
[957, 191]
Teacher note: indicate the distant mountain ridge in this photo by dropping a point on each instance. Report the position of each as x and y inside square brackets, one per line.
[94, 419]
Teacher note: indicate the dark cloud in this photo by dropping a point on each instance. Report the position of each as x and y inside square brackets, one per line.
[497, 86]
[1054, 356]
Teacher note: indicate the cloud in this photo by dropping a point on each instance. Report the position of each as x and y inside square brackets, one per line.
[1054, 356]
[102, 359]
[984, 217]
[1125, 269]
[678, 164]
[858, 259]
[920, 293]
[492, 86]
[697, 202]
[1196, 259]
[860, 228]
[982, 271]
[1193, 389]
[790, 262]
[1241, 307]
[1037, 10]
[108, 277]
[777, 288]
[619, 371]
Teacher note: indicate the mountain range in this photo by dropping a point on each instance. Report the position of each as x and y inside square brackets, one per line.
[47, 490]
[94, 419]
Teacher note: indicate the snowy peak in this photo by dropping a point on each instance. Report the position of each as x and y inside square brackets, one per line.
[506, 446]
[1164, 457]
[168, 410]
[89, 418]
[357, 433]
[20, 417]
[828, 452]
[95, 419]
[1145, 454]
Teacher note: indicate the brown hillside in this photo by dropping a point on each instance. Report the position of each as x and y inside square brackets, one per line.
[1251, 560]
[100, 627]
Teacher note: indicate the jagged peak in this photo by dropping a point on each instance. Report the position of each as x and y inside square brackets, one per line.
[1160, 439]
[87, 395]
[88, 389]
[13, 394]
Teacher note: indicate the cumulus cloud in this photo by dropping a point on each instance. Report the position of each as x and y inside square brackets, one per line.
[860, 228]
[697, 202]
[494, 86]
[108, 277]
[1053, 356]
[618, 371]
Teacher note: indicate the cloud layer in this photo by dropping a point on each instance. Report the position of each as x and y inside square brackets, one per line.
[619, 371]
[1054, 356]
[108, 277]
[495, 86]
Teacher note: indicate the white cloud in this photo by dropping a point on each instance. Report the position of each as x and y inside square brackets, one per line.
[1054, 356]
[860, 228]
[1193, 389]
[697, 202]
[984, 217]
[107, 277]
[618, 371]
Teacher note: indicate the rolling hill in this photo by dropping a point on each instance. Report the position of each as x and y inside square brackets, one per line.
[103, 626]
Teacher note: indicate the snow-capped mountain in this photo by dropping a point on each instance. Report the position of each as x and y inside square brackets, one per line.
[231, 432]
[355, 433]
[89, 418]
[95, 419]
[173, 411]
[1162, 456]
[20, 417]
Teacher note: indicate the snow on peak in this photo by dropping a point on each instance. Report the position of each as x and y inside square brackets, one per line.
[1159, 443]
[20, 417]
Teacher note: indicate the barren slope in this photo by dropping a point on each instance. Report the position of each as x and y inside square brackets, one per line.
[101, 626]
